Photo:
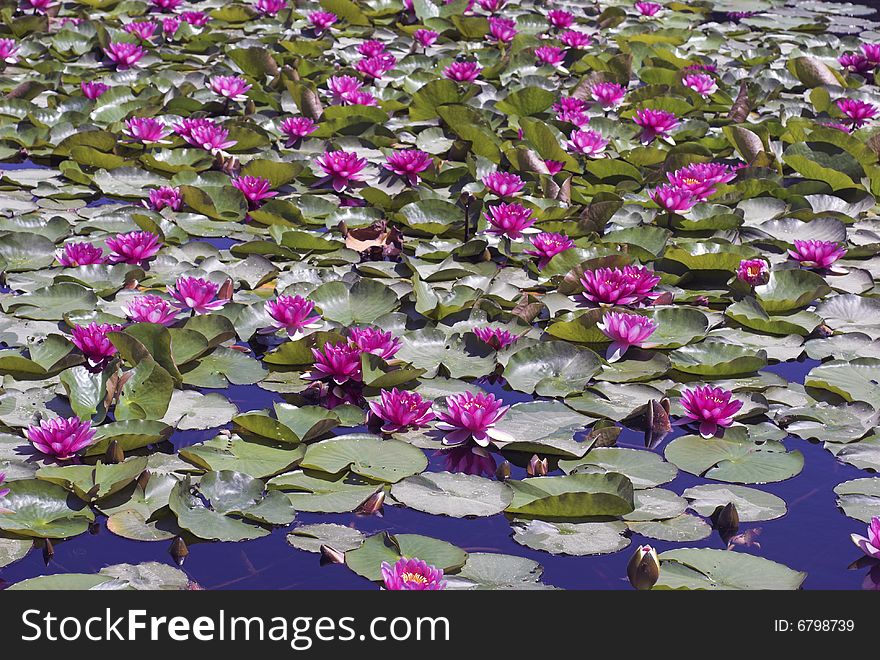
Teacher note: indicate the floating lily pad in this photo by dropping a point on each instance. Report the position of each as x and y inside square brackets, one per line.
[456, 495]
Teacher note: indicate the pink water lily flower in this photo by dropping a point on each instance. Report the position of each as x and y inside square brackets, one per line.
[9, 51]
[871, 52]
[163, 197]
[472, 416]
[625, 330]
[93, 89]
[648, 8]
[552, 55]
[503, 184]
[411, 575]
[586, 142]
[79, 254]
[462, 71]
[322, 20]
[340, 363]
[255, 189]
[408, 163]
[501, 30]
[701, 83]
[712, 407]
[233, 88]
[673, 199]
[93, 342]
[61, 437]
[870, 545]
[293, 314]
[170, 26]
[401, 411]
[700, 179]
[491, 6]
[572, 110]
[133, 248]
[147, 130]
[608, 94]
[371, 48]
[377, 66]
[37, 6]
[548, 245]
[270, 7]
[166, 5]
[619, 286]
[195, 18]
[560, 19]
[342, 168]
[575, 39]
[510, 220]
[553, 166]
[816, 254]
[150, 309]
[142, 29]
[754, 272]
[374, 341]
[654, 123]
[361, 97]
[856, 62]
[426, 38]
[196, 294]
[497, 338]
[858, 112]
[205, 134]
[123, 54]
[296, 128]
[341, 87]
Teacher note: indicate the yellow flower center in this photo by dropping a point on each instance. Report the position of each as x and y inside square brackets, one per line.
[414, 577]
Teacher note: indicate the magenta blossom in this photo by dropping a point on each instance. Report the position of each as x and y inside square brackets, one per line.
[858, 112]
[711, 406]
[169, 26]
[339, 362]
[147, 130]
[3, 491]
[377, 66]
[167, 5]
[233, 88]
[361, 97]
[401, 411]
[472, 416]
[133, 248]
[871, 52]
[412, 575]
[270, 7]
[648, 8]
[469, 459]
[142, 29]
[654, 123]
[462, 71]
[196, 294]
[38, 6]
[816, 254]
[629, 285]
[673, 199]
[342, 168]
[560, 19]
[700, 179]
[79, 254]
[548, 245]
[501, 30]
[426, 38]
[552, 55]
[375, 341]
[61, 438]
[491, 6]
[150, 309]
[702, 66]
[625, 330]
[409, 163]
[341, 87]
[575, 39]
[510, 220]
[588, 143]
[702, 84]
[93, 89]
[870, 545]
[166, 196]
[497, 338]
[503, 184]
[856, 62]
[195, 18]
[255, 189]
[205, 134]
[371, 48]
[292, 314]
[572, 110]
[92, 340]
[296, 128]
[753, 271]
[123, 54]
[322, 20]
[9, 51]
[607, 94]
[553, 166]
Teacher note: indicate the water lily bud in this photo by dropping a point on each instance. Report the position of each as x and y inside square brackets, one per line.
[143, 480]
[48, 551]
[331, 555]
[249, 107]
[373, 504]
[178, 550]
[538, 467]
[502, 473]
[643, 569]
[114, 454]
[726, 520]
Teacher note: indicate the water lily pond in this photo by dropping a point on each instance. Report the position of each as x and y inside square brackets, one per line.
[426, 294]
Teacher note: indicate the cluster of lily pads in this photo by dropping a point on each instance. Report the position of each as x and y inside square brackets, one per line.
[389, 216]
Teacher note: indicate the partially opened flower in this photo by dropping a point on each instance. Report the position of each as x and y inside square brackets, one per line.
[619, 286]
[142, 29]
[371, 48]
[816, 254]
[560, 18]
[608, 94]
[871, 52]
[856, 62]
[166, 196]
[233, 88]
[571, 109]
[509, 220]
[673, 199]
[472, 416]
[754, 272]
[79, 254]
[93, 342]
[858, 112]
[342, 168]
[462, 71]
[195, 18]
[61, 438]
[503, 184]
[702, 84]
[408, 163]
[654, 123]
[9, 51]
[150, 309]
[648, 8]
[322, 20]
[870, 545]
[340, 363]
[575, 39]
[293, 314]
[196, 294]
[553, 166]
[401, 411]
[501, 30]
[586, 142]
[270, 7]
[255, 189]
[166, 5]
[133, 248]
[547, 245]
[377, 66]
[552, 55]
[296, 128]
[426, 38]
[491, 6]
[375, 341]
[147, 130]
[712, 407]
[170, 26]
[700, 179]
[93, 89]
[411, 575]
[37, 6]
[625, 330]
[124, 54]
[497, 338]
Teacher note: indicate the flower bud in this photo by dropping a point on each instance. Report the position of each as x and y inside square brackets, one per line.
[331, 555]
[643, 569]
[178, 550]
[373, 504]
[538, 467]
